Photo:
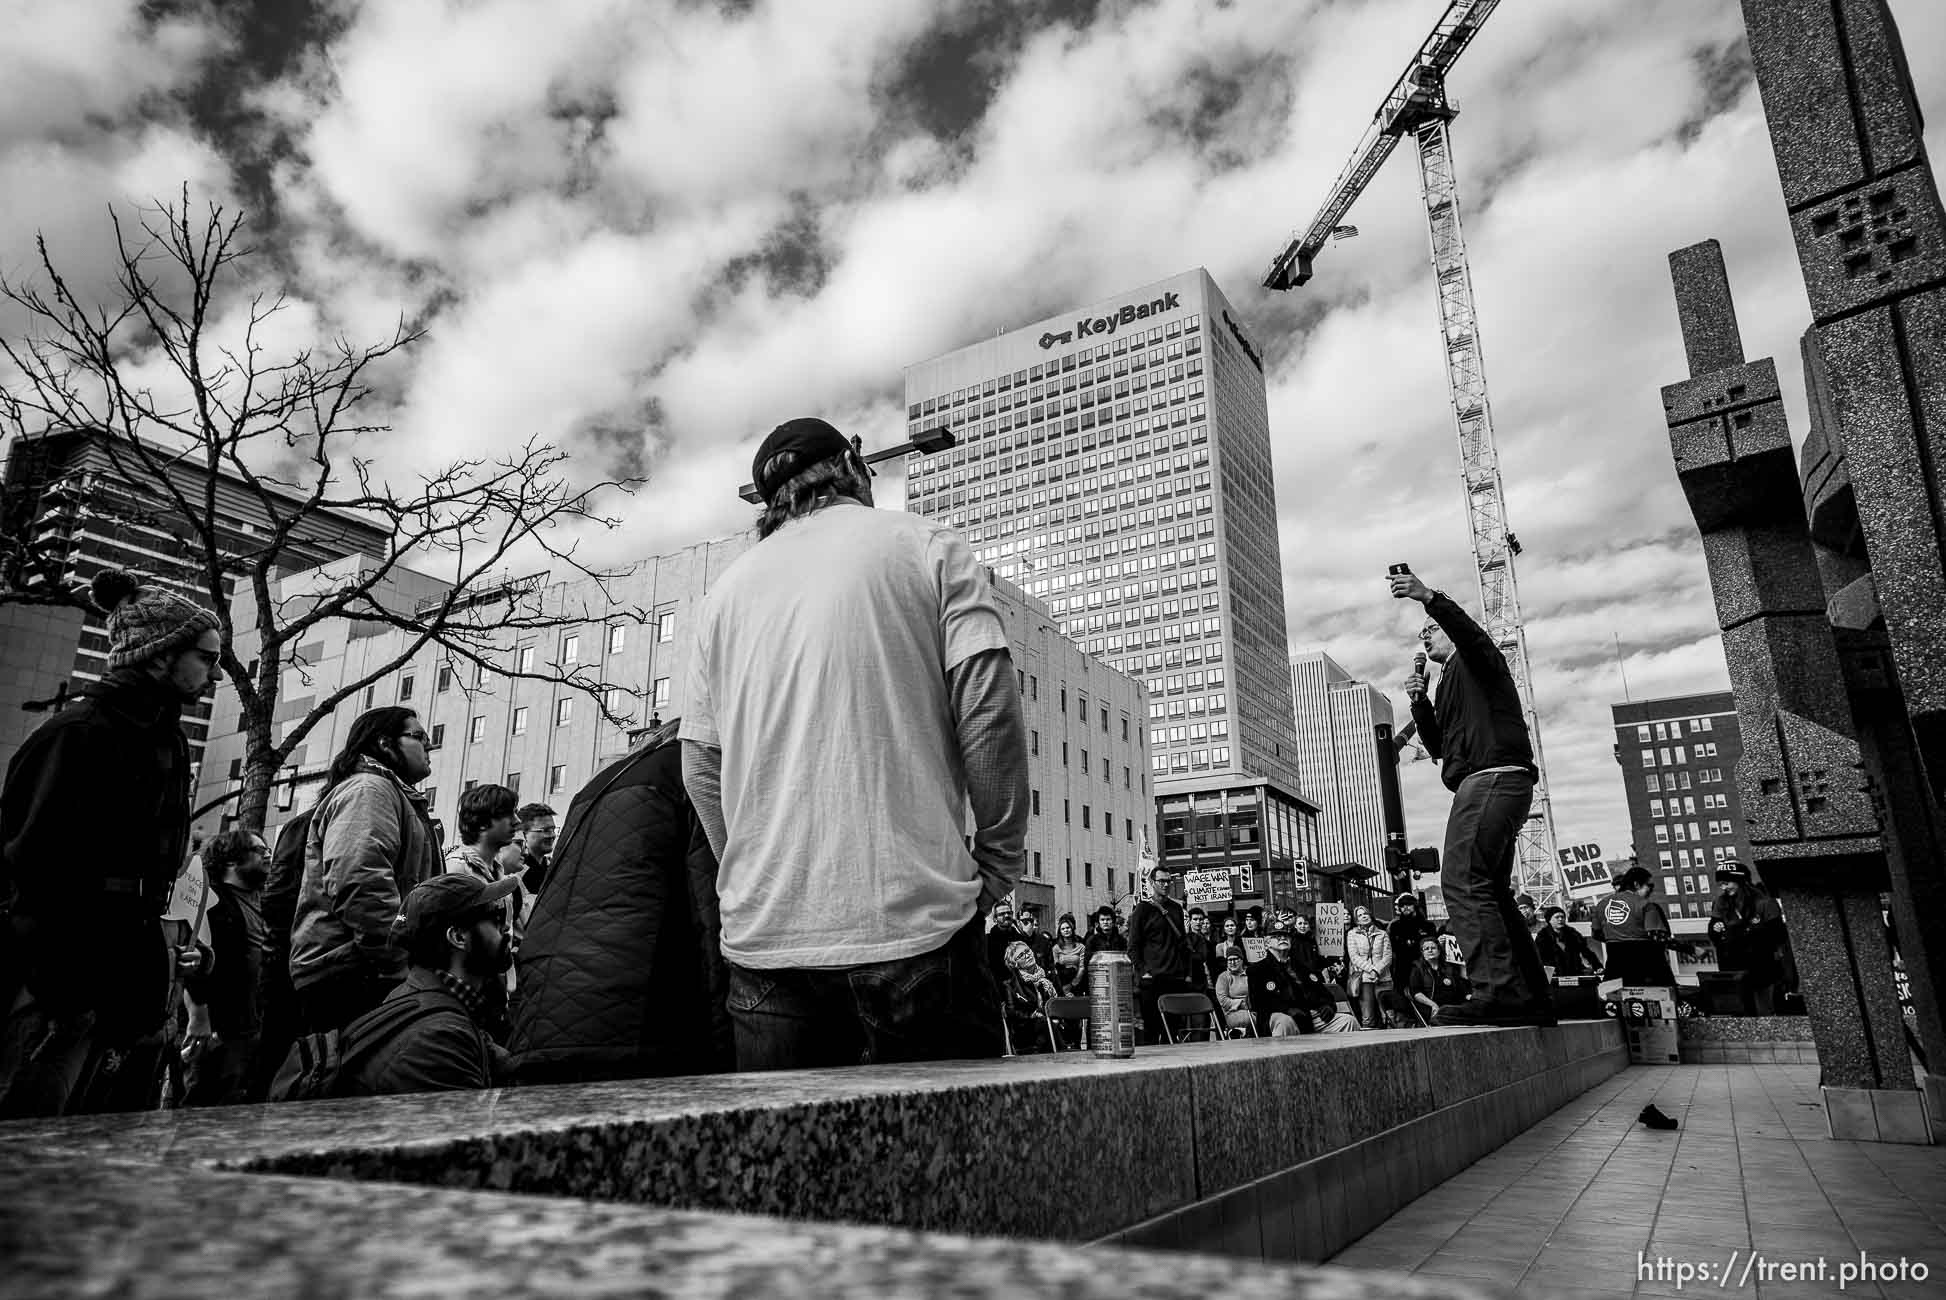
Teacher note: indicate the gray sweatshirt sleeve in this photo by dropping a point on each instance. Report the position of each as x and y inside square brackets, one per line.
[702, 776]
[993, 744]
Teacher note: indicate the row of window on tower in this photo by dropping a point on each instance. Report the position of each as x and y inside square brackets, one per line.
[1125, 354]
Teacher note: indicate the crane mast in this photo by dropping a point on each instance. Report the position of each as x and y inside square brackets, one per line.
[1417, 105]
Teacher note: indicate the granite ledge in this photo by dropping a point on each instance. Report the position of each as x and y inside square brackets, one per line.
[106, 1227]
[126, 1204]
[931, 1147]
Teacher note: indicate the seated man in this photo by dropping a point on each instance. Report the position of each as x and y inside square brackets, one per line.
[1233, 993]
[427, 1035]
[1277, 985]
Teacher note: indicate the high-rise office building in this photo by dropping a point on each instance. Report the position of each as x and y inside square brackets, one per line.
[1679, 761]
[1115, 462]
[93, 507]
[1337, 758]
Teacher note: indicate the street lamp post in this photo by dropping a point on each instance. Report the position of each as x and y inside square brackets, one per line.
[925, 443]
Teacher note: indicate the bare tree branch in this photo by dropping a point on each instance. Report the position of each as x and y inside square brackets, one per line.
[287, 432]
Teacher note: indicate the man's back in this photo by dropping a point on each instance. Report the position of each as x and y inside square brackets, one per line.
[1627, 917]
[820, 671]
[420, 1039]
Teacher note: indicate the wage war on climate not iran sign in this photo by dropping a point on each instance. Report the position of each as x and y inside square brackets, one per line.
[1585, 874]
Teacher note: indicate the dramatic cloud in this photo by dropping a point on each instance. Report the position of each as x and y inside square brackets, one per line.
[649, 232]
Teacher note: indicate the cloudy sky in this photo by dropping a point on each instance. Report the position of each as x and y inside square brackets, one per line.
[650, 231]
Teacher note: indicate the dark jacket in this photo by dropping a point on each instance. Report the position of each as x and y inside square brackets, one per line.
[620, 971]
[1102, 940]
[1157, 943]
[1752, 931]
[229, 987]
[1475, 720]
[1274, 987]
[1405, 932]
[426, 1041]
[281, 886]
[998, 939]
[1565, 950]
[94, 825]
[1305, 956]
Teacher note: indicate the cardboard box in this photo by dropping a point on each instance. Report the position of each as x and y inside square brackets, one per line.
[1649, 1022]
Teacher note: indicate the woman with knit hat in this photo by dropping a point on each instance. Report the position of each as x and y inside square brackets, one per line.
[94, 822]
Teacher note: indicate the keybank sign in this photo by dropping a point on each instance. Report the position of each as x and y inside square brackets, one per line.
[1128, 314]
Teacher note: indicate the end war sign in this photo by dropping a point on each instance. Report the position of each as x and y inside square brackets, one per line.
[1584, 871]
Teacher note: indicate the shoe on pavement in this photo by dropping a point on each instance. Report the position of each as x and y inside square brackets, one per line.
[1655, 1118]
[1482, 1013]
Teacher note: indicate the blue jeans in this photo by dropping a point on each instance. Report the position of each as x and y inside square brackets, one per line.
[1476, 875]
[938, 1006]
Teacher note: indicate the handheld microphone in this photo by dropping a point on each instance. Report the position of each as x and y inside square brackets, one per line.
[1419, 668]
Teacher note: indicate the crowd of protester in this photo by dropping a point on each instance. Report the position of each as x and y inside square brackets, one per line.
[783, 878]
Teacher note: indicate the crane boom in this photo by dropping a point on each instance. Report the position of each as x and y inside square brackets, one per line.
[1417, 105]
[1421, 88]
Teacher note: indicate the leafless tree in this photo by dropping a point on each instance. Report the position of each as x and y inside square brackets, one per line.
[289, 430]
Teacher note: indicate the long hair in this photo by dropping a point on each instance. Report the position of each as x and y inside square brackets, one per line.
[809, 490]
[386, 722]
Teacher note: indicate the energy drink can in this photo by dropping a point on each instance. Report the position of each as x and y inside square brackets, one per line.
[1111, 1004]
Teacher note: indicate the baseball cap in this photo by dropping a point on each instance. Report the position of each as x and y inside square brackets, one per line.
[1733, 870]
[810, 439]
[447, 900]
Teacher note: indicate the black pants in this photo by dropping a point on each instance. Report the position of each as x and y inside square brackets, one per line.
[1638, 963]
[1476, 875]
[1150, 991]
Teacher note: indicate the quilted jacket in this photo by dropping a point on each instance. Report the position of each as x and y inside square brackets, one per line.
[620, 971]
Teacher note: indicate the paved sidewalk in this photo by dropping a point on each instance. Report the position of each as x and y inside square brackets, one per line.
[1563, 1209]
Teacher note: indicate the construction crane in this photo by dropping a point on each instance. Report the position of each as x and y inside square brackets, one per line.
[1417, 106]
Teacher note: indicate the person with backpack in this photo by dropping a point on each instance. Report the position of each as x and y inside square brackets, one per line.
[429, 1034]
[370, 843]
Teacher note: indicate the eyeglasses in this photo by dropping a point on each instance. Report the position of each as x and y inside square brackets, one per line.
[419, 736]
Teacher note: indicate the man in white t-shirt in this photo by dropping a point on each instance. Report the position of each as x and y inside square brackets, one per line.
[850, 691]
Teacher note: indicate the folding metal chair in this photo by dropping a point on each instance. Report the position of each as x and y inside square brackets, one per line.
[1188, 1005]
[1057, 1010]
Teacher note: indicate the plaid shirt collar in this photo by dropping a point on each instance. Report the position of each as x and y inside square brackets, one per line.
[469, 997]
